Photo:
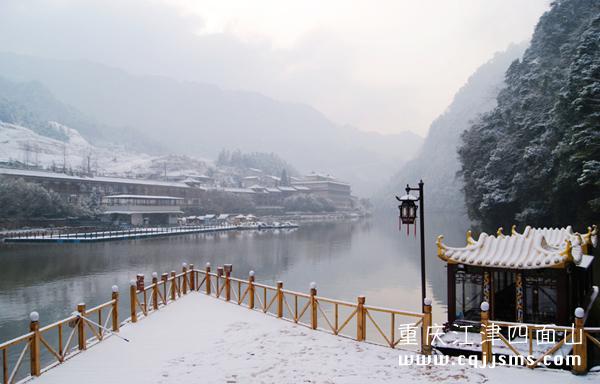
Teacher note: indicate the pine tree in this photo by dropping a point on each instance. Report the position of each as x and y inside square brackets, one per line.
[534, 159]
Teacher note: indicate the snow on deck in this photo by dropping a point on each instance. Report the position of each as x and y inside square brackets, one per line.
[200, 339]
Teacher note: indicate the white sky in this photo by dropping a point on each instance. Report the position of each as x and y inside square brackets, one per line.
[386, 65]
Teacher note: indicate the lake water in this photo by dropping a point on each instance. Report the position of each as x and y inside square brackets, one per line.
[345, 259]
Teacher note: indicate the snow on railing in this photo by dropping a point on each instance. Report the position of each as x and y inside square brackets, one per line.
[575, 337]
[311, 310]
[86, 327]
[48, 343]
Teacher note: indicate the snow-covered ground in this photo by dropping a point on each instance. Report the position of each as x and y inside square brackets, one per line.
[200, 339]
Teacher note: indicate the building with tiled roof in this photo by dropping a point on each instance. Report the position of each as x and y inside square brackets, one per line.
[538, 276]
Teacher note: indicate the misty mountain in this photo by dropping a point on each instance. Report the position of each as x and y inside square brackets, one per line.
[535, 158]
[201, 119]
[437, 162]
[31, 104]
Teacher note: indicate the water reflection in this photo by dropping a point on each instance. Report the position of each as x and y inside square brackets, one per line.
[346, 259]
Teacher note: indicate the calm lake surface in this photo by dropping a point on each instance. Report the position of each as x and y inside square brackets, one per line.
[345, 259]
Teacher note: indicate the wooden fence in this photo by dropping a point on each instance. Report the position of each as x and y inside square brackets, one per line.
[86, 327]
[311, 310]
[72, 334]
[577, 335]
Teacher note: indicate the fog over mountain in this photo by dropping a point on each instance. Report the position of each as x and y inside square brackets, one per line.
[437, 161]
[201, 119]
[307, 80]
[384, 67]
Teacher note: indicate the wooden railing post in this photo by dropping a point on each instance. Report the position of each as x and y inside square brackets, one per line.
[207, 281]
[219, 274]
[425, 338]
[579, 340]
[115, 308]
[192, 278]
[361, 319]
[165, 281]
[154, 291]
[140, 288]
[486, 342]
[313, 305]
[133, 301]
[228, 268]
[81, 327]
[280, 299]
[34, 353]
[184, 284]
[173, 286]
[251, 289]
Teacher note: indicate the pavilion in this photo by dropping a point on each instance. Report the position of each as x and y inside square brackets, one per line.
[538, 276]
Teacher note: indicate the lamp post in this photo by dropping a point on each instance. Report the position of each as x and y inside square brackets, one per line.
[408, 216]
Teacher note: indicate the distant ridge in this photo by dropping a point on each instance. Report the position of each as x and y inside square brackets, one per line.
[201, 119]
[437, 162]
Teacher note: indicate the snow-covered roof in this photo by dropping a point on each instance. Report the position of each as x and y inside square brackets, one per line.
[301, 188]
[62, 176]
[223, 216]
[312, 182]
[240, 216]
[209, 216]
[512, 252]
[408, 197]
[287, 189]
[273, 190]
[556, 237]
[238, 190]
[136, 197]
[125, 212]
[257, 187]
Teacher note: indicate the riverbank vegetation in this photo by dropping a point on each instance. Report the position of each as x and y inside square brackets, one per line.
[535, 158]
[22, 200]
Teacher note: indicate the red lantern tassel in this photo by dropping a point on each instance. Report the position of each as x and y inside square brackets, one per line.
[415, 229]
[399, 224]
[407, 229]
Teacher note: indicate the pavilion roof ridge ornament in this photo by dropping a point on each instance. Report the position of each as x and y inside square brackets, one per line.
[513, 252]
[556, 237]
[591, 237]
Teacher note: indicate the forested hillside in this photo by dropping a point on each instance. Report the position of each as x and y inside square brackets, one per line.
[535, 158]
[437, 162]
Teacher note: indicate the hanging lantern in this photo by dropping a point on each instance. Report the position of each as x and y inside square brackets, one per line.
[408, 211]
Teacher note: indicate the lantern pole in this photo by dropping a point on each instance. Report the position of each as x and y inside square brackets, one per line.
[421, 200]
[422, 213]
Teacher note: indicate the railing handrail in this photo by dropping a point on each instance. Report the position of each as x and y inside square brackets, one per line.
[16, 340]
[57, 323]
[528, 325]
[394, 311]
[100, 306]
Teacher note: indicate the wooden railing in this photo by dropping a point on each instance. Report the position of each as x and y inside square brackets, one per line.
[577, 336]
[70, 336]
[311, 310]
[86, 327]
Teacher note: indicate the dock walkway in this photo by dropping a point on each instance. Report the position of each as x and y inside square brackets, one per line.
[198, 339]
[129, 234]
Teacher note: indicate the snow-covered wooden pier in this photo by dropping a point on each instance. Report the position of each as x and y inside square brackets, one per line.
[201, 326]
[202, 340]
[131, 234]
